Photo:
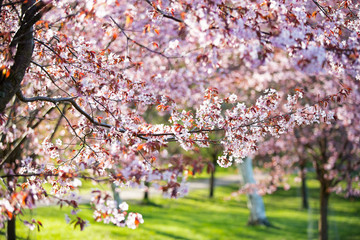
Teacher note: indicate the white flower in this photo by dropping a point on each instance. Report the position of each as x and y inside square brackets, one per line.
[58, 142]
[173, 44]
[232, 98]
[124, 206]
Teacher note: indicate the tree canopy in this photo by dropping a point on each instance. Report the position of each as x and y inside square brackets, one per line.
[79, 78]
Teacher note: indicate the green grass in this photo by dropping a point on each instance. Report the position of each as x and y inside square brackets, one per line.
[197, 217]
[220, 172]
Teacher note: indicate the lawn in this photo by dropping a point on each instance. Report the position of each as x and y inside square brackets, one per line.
[197, 217]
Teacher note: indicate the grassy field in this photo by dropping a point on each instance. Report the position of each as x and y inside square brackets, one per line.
[197, 217]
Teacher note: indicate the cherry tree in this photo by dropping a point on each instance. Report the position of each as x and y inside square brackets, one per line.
[331, 149]
[78, 77]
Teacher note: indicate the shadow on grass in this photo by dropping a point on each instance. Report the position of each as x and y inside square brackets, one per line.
[171, 236]
[150, 203]
[199, 218]
[3, 236]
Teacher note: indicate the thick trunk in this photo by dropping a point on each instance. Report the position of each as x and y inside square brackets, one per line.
[255, 202]
[11, 230]
[324, 203]
[212, 177]
[304, 190]
[257, 210]
[23, 42]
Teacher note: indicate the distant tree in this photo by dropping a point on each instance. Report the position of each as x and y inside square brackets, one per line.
[255, 201]
[331, 149]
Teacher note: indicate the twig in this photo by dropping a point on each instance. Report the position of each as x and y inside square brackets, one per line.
[141, 45]
[164, 14]
[70, 100]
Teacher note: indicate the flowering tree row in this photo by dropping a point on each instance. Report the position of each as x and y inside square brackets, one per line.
[78, 79]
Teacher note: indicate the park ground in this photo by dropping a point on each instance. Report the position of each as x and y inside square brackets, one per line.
[198, 217]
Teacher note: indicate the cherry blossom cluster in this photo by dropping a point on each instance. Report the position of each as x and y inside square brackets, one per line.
[170, 181]
[105, 210]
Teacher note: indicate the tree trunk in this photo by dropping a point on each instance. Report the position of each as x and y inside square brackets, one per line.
[11, 224]
[212, 177]
[304, 190]
[116, 195]
[11, 230]
[324, 203]
[255, 202]
[23, 41]
[146, 193]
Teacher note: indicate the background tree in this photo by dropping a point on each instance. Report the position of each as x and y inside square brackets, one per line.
[332, 150]
[254, 199]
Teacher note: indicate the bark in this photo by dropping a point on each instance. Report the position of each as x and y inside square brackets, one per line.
[23, 42]
[1, 2]
[255, 202]
[324, 205]
[116, 195]
[146, 193]
[212, 177]
[304, 190]
[11, 230]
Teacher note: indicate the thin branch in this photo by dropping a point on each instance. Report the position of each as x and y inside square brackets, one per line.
[141, 45]
[327, 15]
[49, 76]
[21, 140]
[70, 100]
[147, 161]
[53, 175]
[164, 14]
[322, 9]
[81, 139]
[42, 118]
[77, 154]
[16, 148]
[57, 124]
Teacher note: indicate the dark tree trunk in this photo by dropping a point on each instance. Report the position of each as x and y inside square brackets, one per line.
[324, 204]
[23, 42]
[212, 177]
[1, 2]
[304, 190]
[146, 196]
[11, 230]
[146, 193]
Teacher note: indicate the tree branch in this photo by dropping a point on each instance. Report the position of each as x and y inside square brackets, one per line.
[141, 45]
[49, 76]
[164, 14]
[70, 100]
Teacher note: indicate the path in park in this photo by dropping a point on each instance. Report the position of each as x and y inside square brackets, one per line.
[138, 193]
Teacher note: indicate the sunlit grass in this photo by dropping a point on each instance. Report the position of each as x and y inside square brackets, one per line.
[197, 217]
